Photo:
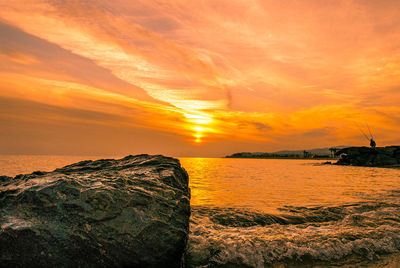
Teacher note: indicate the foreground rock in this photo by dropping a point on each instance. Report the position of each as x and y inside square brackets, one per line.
[371, 157]
[128, 212]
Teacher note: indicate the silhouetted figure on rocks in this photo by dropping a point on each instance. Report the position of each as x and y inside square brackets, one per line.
[372, 143]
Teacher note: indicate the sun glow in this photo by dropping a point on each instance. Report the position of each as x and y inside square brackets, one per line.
[199, 129]
[200, 124]
[199, 119]
[198, 138]
[198, 133]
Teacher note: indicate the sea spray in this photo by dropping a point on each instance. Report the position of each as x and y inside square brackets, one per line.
[362, 231]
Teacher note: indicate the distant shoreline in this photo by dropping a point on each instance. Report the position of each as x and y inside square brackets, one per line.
[282, 157]
[327, 153]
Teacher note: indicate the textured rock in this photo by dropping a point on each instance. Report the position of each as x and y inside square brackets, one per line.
[373, 157]
[128, 212]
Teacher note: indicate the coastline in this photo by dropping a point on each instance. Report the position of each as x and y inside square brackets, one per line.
[288, 158]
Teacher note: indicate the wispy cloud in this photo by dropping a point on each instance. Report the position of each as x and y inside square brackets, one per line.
[276, 74]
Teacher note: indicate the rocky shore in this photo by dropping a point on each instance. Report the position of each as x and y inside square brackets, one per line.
[131, 212]
[370, 157]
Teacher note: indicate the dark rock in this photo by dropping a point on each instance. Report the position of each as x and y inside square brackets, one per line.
[116, 213]
[384, 160]
[389, 151]
[367, 156]
[5, 178]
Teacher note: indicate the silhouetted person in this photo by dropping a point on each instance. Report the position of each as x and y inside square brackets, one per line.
[372, 143]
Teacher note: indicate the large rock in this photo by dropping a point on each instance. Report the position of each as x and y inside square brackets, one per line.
[128, 212]
[373, 157]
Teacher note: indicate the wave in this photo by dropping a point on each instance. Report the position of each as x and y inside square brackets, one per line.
[350, 233]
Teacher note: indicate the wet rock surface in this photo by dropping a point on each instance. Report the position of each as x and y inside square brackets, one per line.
[128, 212]
[371, 157]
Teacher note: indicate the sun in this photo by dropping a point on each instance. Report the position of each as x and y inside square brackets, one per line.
[198, 138]
[199, 125]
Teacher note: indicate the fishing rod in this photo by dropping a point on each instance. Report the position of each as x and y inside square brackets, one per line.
[359, 128]
[372, 137]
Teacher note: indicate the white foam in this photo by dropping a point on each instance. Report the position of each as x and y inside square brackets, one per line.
[366, 235]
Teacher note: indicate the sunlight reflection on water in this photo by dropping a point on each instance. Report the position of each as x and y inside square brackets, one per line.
[262, 184]
[268, 184]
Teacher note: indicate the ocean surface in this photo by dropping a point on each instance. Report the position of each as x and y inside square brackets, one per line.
[279, 213]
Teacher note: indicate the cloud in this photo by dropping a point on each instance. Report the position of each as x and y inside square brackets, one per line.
[130, 51]
[320, 132]
[51, 129]
[44, 59]
[272, 73]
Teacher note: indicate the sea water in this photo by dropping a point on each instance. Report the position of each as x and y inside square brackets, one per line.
[269, 212]
[280, 213]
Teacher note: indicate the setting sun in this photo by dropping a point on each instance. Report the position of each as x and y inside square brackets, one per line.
[198, 138]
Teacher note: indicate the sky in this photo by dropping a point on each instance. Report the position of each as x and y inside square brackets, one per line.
[197, 78]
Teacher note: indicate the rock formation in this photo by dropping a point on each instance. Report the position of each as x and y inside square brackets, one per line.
[371, 157]
[131, 212]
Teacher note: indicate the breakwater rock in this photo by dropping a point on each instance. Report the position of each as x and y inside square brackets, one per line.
[128, 212]
[371, 157]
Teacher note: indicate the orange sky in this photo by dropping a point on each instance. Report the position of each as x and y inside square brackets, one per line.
[196, 78]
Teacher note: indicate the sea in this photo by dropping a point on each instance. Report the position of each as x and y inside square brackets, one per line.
[278, 213]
